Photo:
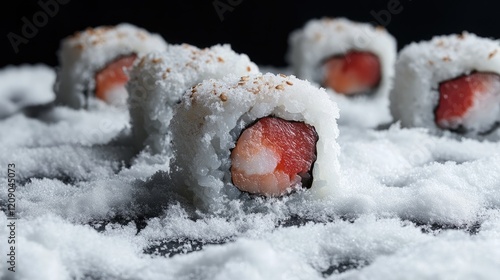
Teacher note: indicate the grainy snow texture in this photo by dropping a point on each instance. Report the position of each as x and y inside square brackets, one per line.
[410, 205]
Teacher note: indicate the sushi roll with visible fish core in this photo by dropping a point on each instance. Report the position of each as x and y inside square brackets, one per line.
[93, 63]
[355, 61]
[263, 134]
[449, 84]
[158, 81]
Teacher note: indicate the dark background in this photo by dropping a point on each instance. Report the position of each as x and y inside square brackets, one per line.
[257, 28]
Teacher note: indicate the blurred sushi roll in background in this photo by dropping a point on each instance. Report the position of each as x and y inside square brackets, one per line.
[449, 84]
[261, 134]
[24, 87]
[92, 63]
[158, 81]
[354, 61]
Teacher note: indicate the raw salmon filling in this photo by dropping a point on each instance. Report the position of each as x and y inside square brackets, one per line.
[468, 102]
[273, 157]
[112, 78]
[352, 73]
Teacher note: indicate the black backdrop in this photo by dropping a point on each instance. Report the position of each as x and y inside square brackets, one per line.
[257, 28]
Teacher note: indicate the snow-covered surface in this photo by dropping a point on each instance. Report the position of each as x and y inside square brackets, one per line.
[410, 205]
[24, 86]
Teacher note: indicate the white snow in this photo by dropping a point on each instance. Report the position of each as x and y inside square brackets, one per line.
[24, 86]
[410, 205]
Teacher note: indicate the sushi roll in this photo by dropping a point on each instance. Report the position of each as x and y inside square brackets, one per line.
[354, 61]
[265, 135]
[158, 81]
[449, 85]
[92, 63]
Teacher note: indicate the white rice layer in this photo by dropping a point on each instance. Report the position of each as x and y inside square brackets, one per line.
[158, 81]
[422, 66]
[84, 53]
[323, 38]
[213, 114]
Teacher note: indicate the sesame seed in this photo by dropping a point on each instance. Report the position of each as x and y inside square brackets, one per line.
[141, 35]
[143, 60]
[76, 35]
[279, 87]
[223, 97]
[492, 54]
